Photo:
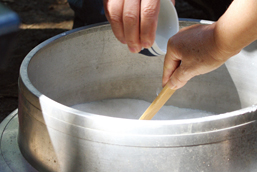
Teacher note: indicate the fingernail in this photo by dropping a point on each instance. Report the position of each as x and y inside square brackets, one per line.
[134, 49]
[139, 49]
[123, 41]
[146, 45]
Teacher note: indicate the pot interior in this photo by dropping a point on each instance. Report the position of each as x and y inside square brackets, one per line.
[91, 65]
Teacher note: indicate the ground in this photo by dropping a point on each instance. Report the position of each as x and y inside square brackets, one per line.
[41, 20]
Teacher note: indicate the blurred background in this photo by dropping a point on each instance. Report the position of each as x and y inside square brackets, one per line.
[43, 19]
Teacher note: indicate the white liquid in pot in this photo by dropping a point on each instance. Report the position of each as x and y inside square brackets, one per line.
[133, 109]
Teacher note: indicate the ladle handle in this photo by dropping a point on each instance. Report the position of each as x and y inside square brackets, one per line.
[157, 104]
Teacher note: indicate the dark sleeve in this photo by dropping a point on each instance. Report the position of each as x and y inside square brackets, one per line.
[87, 11]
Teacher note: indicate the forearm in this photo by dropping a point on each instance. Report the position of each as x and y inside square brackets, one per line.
[237, 27]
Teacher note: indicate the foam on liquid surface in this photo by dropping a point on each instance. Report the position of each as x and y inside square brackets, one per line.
[133, 109]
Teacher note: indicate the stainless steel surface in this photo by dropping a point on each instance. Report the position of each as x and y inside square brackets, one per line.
[11, 159]
[89, 64]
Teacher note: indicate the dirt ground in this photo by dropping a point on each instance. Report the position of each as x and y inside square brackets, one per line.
[41, 20]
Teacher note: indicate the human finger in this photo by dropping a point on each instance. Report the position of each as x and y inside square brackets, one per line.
[180, 77]
[171, 62]
[131, 14]
[114, 14]
[148, 21]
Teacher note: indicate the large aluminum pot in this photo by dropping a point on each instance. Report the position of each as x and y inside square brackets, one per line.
[89, 64]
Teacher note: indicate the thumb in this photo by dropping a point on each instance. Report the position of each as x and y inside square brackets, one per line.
[180, 77]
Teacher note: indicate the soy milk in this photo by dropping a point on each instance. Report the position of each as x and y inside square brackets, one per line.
[133, 109]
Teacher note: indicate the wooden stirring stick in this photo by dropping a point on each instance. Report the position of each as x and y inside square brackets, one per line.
[158, 102]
